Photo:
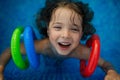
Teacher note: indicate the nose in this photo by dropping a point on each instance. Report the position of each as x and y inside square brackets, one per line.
[65, 34]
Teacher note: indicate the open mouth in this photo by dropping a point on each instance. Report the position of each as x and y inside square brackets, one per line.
[64, 45]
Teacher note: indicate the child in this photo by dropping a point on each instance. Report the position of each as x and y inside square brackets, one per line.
[63, 25]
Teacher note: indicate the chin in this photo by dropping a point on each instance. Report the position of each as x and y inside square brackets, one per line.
[63, 53]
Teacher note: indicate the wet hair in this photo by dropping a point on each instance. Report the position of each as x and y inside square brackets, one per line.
[45, 14]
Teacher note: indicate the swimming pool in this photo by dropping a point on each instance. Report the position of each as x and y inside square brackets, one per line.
[22, 12]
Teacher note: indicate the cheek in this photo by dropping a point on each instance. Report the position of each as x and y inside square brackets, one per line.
[77, 38]
[52, 33]
[53, 36]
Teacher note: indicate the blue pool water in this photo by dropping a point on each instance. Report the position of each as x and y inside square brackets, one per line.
[22, 12]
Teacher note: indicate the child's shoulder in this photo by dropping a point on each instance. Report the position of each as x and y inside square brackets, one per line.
[42, 44]
[83, 47]
[42, 41]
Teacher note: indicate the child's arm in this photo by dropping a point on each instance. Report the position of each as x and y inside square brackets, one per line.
[82, 52]
[111, 73]
[5, 57]
[40, 46]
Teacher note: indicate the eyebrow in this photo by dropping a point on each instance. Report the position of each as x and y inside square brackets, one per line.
[72, 24]
[75, 24]
[57, 23]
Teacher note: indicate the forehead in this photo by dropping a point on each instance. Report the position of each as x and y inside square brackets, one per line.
[66, 14]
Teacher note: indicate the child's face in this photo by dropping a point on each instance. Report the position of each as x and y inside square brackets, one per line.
[65, 30]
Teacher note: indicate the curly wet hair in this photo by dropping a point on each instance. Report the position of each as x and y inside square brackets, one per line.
[44, 15]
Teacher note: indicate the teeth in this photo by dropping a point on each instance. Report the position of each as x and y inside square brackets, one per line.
[65, 43]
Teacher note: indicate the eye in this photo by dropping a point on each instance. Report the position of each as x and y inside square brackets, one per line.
[75, 29]
[57, 28]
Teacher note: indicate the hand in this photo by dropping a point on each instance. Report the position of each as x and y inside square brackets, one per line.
[1, 76]
[112, 75]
